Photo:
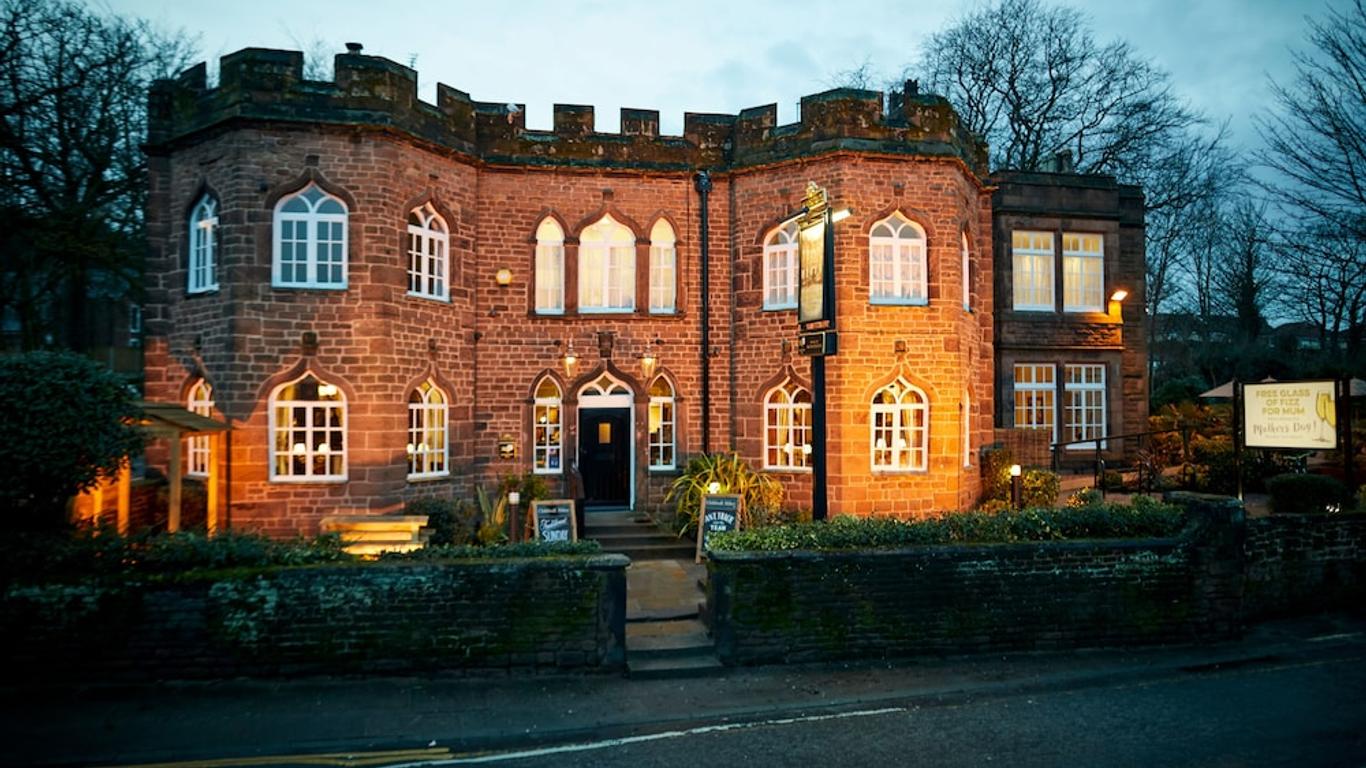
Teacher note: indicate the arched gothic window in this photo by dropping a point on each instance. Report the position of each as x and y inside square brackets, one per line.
[661, 424]
[780, 267]
[663, 269]
[787, 427]
[607, 267]
[310, 240]
[897, 268]
[203, 242]
[201, 403]
[900, 434]
[547, 416]
[428, 254]
[549, 268]
[428, 450]
[307, 431]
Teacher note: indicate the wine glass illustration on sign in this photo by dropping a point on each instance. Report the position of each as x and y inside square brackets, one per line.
[1328, 417]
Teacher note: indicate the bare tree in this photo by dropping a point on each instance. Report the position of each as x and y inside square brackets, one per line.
[1316, 149]
[72, 174]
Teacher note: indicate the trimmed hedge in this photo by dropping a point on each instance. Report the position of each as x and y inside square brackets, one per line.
[1297, 494]
[1147, 518]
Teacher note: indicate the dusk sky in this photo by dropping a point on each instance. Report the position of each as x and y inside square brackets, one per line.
[709, 56]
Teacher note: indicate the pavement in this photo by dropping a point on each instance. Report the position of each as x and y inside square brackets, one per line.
[383, 721]
[663, 589]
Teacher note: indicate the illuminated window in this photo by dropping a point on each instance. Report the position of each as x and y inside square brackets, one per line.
[663, 269]
[967, 275]
[1035, 387]
[428, 254]
[197, 457]
[780, 267]
[427, 444]
[897, 267]
[307, 431]
[1032, 270]
[787, 427]
[203, 240]
[661, 424]
[607, 267]
[900, 434]
[1083, 404]
[310, 241]
[1083, 267]
[547, 415]
[549, 268]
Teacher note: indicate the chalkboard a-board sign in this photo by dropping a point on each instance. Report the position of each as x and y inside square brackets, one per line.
[553, 520]
[720, 512]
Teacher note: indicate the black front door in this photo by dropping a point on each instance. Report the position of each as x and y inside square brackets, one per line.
[604, 455]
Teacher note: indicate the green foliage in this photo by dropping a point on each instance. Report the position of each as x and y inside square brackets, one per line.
[493, 515]
[64, 421]
[1177, 391]
[452, 522]
[763, 495]
[1086, 497]
[530, 485]
[535, 548]
[1295, 494]
[53, 556]
[1144, 519]
[1038, 487]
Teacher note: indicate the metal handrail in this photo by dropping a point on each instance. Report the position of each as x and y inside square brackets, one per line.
[1100, 443]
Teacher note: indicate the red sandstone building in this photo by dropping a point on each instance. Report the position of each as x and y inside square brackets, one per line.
[389, 299]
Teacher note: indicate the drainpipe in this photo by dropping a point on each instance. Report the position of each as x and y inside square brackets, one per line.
[703, 183]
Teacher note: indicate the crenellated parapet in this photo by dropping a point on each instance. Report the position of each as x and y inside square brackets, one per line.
[258, 84]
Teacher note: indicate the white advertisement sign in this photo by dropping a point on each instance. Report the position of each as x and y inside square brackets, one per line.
[1291, 414]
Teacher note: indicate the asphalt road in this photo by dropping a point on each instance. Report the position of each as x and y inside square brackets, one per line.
[1266, 713]
[1288, 694]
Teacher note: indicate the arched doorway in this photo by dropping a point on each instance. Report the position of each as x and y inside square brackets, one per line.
[607, 442]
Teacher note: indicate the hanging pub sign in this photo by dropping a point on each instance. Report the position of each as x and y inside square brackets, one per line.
[1291, 414]
[553, 520]
[720, 512]
[814, 249]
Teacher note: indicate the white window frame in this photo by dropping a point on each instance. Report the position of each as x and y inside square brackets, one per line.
[897, 420]
[547, 429]
[607, 247]
[429, 259]
[202, 264]
[311, 243]
[902, 253]
[1035, 401]
[967, 276]
[1031, 271]
[663, 269]
[1085, 398]
[199, 401]
[662, 426]
[549, 290]
[787, 428]
[780, 267]
[310, 449]
[428, 446]
[1083, 272]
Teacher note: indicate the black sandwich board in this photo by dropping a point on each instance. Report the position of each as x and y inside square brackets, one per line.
[553, 520]
[720, 512]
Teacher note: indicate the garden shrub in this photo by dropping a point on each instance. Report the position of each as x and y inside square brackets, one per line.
[1295, 494]
[1146, 518]
[451, 522]
[58, 444]
[1038, 487]
[500, 551]
[763, 494]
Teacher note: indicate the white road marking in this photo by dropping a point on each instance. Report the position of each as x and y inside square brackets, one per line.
[610, 743]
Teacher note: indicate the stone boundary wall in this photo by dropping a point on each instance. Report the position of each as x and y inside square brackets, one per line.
[1304, 563]
[791, 606]
[563, 613]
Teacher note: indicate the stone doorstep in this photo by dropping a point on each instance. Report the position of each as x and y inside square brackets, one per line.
[670, 649]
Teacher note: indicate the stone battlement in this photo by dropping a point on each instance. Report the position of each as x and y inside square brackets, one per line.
[258, 84]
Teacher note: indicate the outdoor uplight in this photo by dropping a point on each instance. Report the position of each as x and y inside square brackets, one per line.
[1015, 486]
[1015, 470]
[713, 487]
[514, 498]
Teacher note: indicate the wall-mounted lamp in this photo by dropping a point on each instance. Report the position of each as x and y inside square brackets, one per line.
[570, 359]
[1118, 296]
[841, 215]
[647, 364]
[504, 276]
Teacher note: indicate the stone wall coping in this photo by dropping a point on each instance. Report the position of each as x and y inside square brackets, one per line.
[1008, 549]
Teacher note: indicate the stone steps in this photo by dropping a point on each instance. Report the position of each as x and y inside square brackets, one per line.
[636, 536]
[670, 649]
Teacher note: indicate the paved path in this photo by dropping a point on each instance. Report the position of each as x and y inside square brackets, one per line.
[663, 589]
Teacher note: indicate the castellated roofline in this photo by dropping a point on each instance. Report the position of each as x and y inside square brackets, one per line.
[260, 84]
